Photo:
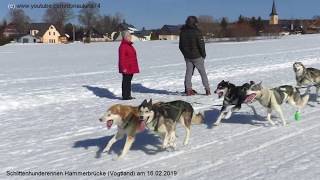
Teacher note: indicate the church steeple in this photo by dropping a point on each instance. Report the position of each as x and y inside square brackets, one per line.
[274, 18]
[274, 9]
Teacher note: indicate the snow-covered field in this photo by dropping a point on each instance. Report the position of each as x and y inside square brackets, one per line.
[51, 97]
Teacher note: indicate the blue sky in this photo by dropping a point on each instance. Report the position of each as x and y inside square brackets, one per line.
[155, 13]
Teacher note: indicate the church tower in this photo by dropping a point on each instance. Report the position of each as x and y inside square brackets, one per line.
[274, 18]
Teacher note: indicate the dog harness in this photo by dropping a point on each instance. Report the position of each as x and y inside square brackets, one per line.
[279, 95]
[306, 76]
[168, 111]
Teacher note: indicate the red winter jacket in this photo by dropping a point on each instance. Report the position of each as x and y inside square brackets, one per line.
[128, 62]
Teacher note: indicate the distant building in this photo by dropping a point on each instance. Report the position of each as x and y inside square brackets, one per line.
[275, 26]
[27, 39]
[10, 31]
[47, 33]
[95, 36]
[64, 38]
[169, 32]
[143, 35]
[314, 27]
[274, 18]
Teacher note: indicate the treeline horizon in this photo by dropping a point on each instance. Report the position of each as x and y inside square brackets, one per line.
[92, 18]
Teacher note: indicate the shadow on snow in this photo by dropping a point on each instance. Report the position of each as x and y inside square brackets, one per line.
[142, 140]
[211, 116]
[139, 88]
[102, 92]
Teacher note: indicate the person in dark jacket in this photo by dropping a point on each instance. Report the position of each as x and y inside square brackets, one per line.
[193, 49]
[128, 64]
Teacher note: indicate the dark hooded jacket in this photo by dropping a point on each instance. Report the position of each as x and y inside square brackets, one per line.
[191, 42]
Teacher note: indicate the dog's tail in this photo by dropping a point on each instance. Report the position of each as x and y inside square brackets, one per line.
[197, 118]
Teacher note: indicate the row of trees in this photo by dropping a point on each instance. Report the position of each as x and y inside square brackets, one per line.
[89, 18]
[243, 27]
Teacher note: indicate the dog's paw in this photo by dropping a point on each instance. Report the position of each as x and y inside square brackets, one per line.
[106, 150]
[116, 158]
[216, 124]
[285, 124]
[272, 124]
[185, 143]
[164, 147]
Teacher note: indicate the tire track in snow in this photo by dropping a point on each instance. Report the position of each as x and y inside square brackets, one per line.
[24, 80]
[9, 104]
[240, 57]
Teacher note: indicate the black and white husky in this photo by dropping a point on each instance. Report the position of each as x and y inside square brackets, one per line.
[272, 99]
[234, 97]
[307, 77]
[162, 118]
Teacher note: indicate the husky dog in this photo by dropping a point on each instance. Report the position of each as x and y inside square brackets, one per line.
[233, 95]
[272, 99]
[162, 118]
[128, 122]
[307, 76]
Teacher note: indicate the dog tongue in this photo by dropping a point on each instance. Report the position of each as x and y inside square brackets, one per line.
[250, 98]
[142, 126]
[109, 124]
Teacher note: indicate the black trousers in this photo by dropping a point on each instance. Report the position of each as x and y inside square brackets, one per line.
[126, 85]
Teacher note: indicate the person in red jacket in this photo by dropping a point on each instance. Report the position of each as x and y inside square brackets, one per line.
[128, 64]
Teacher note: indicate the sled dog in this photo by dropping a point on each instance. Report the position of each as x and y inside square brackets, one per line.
[233, 95]
[162, 118]
[272, 99]
[307, 77]
[128, 122]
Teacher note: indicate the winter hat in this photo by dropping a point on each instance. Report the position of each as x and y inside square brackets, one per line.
[192, 21]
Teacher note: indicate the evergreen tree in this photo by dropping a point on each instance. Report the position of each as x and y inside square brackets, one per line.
[241, 19]
[224, 27]
[259, 24]
[224, 23]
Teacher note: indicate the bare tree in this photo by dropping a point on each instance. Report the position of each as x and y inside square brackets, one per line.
[3, 26]
[20, 19]
[108, 23]
[208, 25]
[89, 16]
[224, 25]
[241, 31]
[58, 16]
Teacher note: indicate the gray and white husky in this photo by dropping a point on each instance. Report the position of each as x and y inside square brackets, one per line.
[307, 77]
[162, 118]
[272, 99]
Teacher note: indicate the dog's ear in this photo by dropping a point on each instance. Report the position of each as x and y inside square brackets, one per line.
[145, 102]
[252, 82]
[150, 102]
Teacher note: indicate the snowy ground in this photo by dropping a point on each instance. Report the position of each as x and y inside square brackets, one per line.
[51, 97]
